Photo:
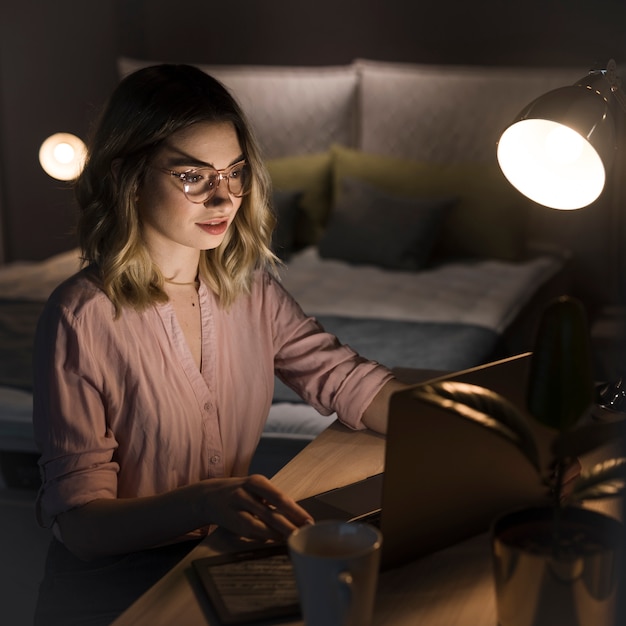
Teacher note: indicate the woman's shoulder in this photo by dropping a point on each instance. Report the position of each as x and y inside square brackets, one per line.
[266, 283]
[268, 294]
[79, 293]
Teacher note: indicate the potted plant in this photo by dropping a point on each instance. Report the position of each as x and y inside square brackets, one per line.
[554, 564]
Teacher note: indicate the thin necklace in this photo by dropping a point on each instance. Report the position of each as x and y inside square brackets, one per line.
[173, 282]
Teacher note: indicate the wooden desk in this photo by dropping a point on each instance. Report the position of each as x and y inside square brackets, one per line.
[451, 587]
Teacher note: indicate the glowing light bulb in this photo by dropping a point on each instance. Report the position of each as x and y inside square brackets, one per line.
[564, 145]
[63, 152]
[62, 156]
[551, 164]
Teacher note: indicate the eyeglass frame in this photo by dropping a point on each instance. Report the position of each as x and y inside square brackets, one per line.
[222, 174]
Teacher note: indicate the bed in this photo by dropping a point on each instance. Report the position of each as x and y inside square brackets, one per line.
[404, 320]
[397, 232]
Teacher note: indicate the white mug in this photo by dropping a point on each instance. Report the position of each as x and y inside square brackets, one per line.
[336, 568]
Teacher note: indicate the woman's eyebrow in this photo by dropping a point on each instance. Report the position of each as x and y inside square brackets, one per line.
[187, 161]
[182, 159]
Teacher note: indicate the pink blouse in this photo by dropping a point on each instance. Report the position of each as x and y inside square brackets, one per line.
[121, 410]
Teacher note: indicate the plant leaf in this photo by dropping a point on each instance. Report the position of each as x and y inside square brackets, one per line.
[485, 407]
[606, 479]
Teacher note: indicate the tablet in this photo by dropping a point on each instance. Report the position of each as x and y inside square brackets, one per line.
[250, 585]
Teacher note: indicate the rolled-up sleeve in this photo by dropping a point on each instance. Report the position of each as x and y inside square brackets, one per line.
[328, 375]
[69, 422]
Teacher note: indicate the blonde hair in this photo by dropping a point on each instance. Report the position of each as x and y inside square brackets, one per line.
[145, 109]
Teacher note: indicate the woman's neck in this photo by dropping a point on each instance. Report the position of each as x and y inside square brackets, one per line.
[179, 268]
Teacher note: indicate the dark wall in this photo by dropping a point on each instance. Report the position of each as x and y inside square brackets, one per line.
[57, 63]
[302, 32]
[56, 67]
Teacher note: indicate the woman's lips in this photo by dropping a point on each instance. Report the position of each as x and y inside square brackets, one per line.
[214, 227]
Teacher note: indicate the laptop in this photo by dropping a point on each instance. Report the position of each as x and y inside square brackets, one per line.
[445, 478]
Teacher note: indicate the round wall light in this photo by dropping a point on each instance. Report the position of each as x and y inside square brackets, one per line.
[62, 156]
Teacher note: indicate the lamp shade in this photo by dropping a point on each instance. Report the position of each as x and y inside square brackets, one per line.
[62, 156]
[559, 148]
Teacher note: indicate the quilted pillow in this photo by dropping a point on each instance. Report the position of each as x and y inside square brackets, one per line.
[370, 226]
[488, 220]
[309, 174]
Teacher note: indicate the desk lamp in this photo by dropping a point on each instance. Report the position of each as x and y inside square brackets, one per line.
[558, 150]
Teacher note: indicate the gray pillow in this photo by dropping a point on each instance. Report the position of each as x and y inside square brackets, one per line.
[370, 226]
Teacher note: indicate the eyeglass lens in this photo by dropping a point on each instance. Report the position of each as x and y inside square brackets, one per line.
[201, 184]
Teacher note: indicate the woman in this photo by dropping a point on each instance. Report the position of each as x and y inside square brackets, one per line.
[154, 365]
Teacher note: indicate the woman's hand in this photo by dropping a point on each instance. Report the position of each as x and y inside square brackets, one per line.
[252, 507]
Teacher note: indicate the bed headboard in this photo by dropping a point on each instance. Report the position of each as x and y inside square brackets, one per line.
[423, 112]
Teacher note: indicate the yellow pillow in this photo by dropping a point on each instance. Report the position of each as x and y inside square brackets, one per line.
[309, 174]
[488, 220]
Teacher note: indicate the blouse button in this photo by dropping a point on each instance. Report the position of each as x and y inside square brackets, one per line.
[208, 406]
[215, 459]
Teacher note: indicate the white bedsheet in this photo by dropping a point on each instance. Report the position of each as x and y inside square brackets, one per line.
[487, 293]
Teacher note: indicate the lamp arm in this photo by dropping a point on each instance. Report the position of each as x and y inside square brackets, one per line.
[611, 75]
[620, 96]
[605, 82]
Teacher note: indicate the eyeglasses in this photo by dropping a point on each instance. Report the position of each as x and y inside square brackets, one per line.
[200, 184]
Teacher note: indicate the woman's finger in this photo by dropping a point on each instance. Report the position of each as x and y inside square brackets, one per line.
[274, 500]
[252, 507]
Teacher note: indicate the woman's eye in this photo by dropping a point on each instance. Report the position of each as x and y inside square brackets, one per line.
[236, 173]
[193, 178]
